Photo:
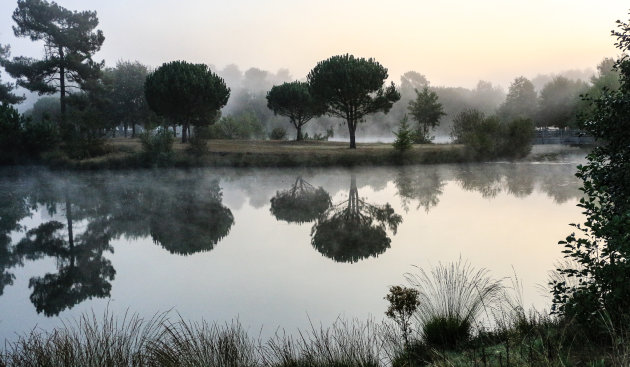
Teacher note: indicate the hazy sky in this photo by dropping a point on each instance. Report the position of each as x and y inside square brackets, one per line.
[452, 42]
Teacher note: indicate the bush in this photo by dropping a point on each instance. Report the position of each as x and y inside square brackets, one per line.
[198, 144]
[243, 126]
[278, 133]
[446, 332]
[158, 146]
[489, 137]
[20, 138]
[39, 137]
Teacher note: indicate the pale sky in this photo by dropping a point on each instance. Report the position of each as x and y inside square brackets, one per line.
[452, 42]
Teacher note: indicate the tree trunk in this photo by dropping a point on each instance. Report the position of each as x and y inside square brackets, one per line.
[351, 129]
[125, 129]
[62, 86]
[185, 133]
[299, 133]
[133, 130]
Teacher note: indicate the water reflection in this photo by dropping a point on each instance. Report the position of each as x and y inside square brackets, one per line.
[188, 219]
[302, 203]
[73, 218]
[424, 186]
[354, 230]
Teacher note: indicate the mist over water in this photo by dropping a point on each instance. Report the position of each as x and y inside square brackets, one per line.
[210, 244]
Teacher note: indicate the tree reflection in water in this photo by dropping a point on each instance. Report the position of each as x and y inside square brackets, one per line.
[354, 230]
[82, 271]
[189, 220]
[302, 203]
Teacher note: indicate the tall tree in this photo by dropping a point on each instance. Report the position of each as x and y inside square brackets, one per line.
[128, 97]
[186, 93]
[294, 100]
[352, 88]
[70, 41]
[521, 100]
[559, 101]
[6, 95]
[427, 111]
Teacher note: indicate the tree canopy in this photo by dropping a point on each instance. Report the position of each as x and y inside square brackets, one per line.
[521, 100]
[6, 94]
[427, 111]
[294, 100]
[601, 249]
[186, 93]
[352, 88]
[559, 101]
[70, 41]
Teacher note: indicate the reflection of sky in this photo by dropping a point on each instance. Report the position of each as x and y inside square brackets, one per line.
[266, 272]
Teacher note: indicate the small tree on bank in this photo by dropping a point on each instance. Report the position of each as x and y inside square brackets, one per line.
[427, 111]
[187, 93]
[352, 88]
[294, 100]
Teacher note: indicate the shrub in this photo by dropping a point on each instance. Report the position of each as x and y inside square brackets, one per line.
[489, 137]
[198, 144]
[157, 146]
[242, 126]
[10, 132]
[278, 133]
[404, 136]
[403, 302]
[446, 332]
[39, 137]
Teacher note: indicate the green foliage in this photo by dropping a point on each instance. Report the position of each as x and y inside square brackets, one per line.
[186, 93]
[242, 126]
[352, 88]
[278, 133]
[130, 106]
[601, 247]
[6, 94]
[70, 42]
[20, 138]
[45, 109]
[198, 142]
[404, 136]
[521, 101]
[427, 111]
[446, 332]
[10, 132]
[294, 100]
[559, 102]
[157, 146]
[403, 302]
[489, 137]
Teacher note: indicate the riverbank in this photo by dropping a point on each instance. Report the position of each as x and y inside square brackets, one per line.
[127, 153]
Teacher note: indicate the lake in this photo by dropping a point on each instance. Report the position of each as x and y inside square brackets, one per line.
[273, 248]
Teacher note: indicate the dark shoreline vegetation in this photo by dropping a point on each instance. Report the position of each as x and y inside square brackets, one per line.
[124, 153]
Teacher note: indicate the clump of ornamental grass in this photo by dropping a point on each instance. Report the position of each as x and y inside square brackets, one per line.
[203, 344]
[452, 298]
[88, 341]
[343, 344]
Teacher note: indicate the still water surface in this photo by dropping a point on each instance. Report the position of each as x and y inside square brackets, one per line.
[271, 247]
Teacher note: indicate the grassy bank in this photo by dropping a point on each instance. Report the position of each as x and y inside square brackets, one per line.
[106, 340]
[127, 153]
